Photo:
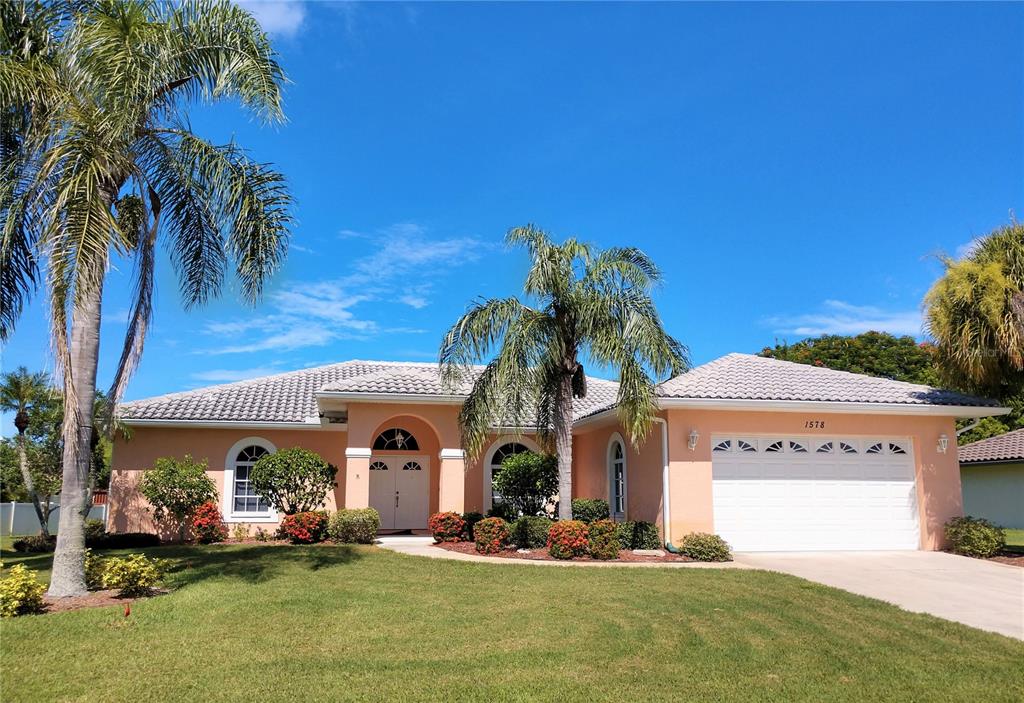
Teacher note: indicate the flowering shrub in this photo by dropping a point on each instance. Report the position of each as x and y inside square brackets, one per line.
[603, 538]
[354, 526]
[704, 547]
[568, 539]
[208, 525]
[447, 527]
[305, 528]
[530, 532]
[974, 537]
[134, 575]
[20, 592]
[491, 535]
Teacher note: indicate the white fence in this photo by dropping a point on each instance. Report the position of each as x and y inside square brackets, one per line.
[21, 519]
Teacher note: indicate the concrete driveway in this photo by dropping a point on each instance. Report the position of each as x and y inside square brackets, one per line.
[982, 594]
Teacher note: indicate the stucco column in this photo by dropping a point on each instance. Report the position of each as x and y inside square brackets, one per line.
[452, 486]
[357, 477]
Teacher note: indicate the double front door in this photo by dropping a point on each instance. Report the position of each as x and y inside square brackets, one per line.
[400, 491]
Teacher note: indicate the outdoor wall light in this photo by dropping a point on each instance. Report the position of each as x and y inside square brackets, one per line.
[694, 436]
[943, 443]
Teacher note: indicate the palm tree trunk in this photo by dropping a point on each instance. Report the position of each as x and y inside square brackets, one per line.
[30, 486]
[563, 446]
[68, 577]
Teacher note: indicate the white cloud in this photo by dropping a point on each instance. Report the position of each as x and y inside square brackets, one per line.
[414, 301]
[838, 317]
[300, 248]
[118, 317]
[229, 375]
[967, 248]
[283, 18]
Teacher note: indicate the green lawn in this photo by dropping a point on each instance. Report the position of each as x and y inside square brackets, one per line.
[1015, 540]
[337, 623]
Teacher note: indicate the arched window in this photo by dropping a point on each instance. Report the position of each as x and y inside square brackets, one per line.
[617, 477]
[501, 450]
[396, 439]
[242, 503]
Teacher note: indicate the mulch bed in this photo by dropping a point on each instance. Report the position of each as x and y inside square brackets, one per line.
[1011, 558]
[542, 554]
[93, 599]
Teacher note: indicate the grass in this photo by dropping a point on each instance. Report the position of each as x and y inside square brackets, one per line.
[1015, 540]
[251, 622]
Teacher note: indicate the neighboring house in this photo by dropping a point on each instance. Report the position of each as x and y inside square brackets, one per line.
[992, 476]
[772, 455]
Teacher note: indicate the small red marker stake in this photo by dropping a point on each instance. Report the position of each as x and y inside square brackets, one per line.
[127, 609]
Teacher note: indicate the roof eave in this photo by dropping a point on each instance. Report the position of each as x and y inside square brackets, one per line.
[416, 398]
[230, 424]
[831, 407]
[988, 462]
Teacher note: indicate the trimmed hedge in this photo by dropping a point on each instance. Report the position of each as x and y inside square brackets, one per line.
[123, 540]
[603, 539]
[568, 539]
[354, 526]
[975, 537]
[491, 535]
[447, 527]
[702, 546]
[531, 532]
[639, 535]
[589, 510]
[36, 544]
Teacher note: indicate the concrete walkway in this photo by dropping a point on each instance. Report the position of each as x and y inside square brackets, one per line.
[424, 547]
[982, 594]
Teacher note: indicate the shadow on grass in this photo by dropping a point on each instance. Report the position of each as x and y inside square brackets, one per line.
[252, 564]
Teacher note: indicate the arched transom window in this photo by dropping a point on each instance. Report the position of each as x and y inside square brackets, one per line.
[396, 439]
[244, 499]
[617, 478]
[500, 454]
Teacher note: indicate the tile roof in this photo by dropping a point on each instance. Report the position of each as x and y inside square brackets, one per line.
[291, 396]
[1004, 447]
[748, 377]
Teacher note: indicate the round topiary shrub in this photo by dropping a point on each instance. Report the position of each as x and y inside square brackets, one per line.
[447, 527]
[293, 480]
[639, 535]
[530, 532]
[133, 575]
[354, 526]
[208, 524]
[568, 539]
[975, 537]
[589, 510]
[20, 592]
[471, 519]
[603, 538]
[305, 528]
[701, 546]
[491, 535]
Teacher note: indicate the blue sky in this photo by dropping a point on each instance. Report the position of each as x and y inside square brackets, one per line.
[793, 168]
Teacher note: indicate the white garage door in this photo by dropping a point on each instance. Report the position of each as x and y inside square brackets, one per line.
[802, 493]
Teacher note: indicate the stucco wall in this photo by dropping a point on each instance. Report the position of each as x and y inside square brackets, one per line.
[938, 475]
[994, 492]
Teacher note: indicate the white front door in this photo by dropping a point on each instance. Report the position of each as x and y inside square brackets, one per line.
[814, 493]
[400, 491]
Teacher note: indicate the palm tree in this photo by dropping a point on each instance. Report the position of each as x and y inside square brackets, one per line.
[975, 313]
[20, 393]
[588, 303]
[109, 165]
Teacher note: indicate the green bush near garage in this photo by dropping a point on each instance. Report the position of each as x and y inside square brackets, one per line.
[975, 537]
[639, 534]
[701, 546]
[354, 526]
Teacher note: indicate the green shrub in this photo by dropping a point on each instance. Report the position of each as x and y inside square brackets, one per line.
[94, 568]
[530, 532]
[568, 539]
[447, 526]
[502, 510]
[175, 488]
[589, 510]
[470, 519]
[36, 544]
[133, 575]
[239, 532]
[639, 535]
[491, 535]
[20, 592]
[124, 540]
[354, 526]
[94, 531]
[263, 535]
[293, 480]
[526, 482]
[975, 537]
[702, 546]
[603, 539]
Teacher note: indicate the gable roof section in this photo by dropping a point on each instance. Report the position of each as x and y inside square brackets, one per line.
[292, 397]
[1004, 447]
[748, 377]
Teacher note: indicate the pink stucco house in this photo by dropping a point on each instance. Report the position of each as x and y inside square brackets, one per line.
[769, 454]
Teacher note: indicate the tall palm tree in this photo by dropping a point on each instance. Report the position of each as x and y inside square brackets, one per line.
[20, 393]
[975, 312]
[587, 304]
[111, 165]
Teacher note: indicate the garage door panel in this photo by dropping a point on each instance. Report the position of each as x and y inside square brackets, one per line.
[836, 495]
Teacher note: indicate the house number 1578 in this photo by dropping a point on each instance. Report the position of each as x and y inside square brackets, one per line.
[815, 424]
